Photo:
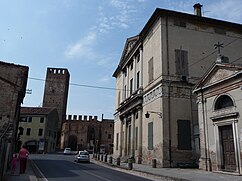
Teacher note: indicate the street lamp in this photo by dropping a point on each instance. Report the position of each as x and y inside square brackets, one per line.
[147, 115]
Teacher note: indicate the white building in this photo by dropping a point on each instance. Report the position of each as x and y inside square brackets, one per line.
[156, 75]
[220, 124]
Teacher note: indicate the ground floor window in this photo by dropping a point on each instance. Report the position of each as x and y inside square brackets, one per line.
[117, 135]
[150, 136]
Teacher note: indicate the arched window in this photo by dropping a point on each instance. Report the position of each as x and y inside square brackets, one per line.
[223, 101]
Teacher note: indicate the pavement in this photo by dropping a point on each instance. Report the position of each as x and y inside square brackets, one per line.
[33, 174]
[16, 176]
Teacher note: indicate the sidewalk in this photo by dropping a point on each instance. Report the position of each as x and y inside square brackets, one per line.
[29, 174]
[177, 173]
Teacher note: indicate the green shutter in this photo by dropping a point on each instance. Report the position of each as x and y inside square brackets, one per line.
[117, 141]
[150, 136]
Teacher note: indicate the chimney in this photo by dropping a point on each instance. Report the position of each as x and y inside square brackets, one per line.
[222, 59]
[198, 9]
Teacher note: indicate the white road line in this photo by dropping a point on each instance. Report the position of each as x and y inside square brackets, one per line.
[42, 175]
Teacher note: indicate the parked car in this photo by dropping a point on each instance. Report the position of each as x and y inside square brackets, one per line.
[82, 156]
[67, 151]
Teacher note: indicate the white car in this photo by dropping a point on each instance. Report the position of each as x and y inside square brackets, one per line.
[67, 151]
[82, 156]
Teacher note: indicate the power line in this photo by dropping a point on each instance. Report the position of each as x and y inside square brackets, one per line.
[79, 85]
[215, 51]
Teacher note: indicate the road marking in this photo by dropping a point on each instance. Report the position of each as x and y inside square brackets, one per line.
[41, 174]
[95, 175]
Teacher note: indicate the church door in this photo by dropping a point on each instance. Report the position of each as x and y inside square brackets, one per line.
[228, 151]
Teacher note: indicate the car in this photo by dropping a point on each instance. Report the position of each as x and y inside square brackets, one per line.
[82, 156]
[67, 151]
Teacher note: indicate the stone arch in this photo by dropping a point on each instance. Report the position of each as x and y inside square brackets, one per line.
[223, 101]
[72, 142]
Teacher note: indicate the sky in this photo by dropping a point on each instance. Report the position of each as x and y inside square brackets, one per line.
[87, 37]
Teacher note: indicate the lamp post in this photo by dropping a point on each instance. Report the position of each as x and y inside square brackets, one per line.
[147, 115]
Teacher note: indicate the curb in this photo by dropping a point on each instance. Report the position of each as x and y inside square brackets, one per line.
[39, 175]
[138, 171]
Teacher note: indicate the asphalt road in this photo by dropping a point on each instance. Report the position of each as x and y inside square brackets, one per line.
[63, 168]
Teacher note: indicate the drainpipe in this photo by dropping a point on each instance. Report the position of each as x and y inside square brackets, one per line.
[169, 96]
[204, 132]
[206, 120]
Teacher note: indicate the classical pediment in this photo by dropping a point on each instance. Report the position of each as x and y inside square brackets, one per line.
[218, 73]
[130, 42]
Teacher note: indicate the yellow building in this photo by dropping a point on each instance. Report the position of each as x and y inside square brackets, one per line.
[38, 127]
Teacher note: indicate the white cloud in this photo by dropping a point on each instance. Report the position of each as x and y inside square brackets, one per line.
[82, 48]
[118, 16]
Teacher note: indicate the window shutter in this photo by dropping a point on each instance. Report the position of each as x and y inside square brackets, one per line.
[117, 138]
[150, 136]
[181, 61]
[150, 69]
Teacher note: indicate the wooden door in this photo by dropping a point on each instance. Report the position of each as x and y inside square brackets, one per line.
[228, 152]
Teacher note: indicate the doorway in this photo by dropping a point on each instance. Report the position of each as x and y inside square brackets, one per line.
[228, 161]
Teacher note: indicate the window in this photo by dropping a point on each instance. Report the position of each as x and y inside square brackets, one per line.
[181, 59]
[184, 135]
[40, 132]
[117, 135]
[49, 133]
[137, 83]
[220, 31]
[125, 73]
[29, 119]
[131, 86]
[42, 120]
[136, 138]
[150, 70]
[28, 131]
[21, 130]
[223, 101]
[118, 97]
[180, 23]
[109, 136]
[111, 125]
[150, 136]
[55, 135]
[138, 58]
[131, 66]
[23, 119]
[125, 90]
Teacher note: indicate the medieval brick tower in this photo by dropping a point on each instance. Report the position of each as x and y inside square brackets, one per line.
[56, 91]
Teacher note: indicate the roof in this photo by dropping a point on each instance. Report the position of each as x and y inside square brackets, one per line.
[169, 13]
[36, 110]
[164, 12]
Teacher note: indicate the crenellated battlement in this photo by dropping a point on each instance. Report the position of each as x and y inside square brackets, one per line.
[57, 72]
[81, 118]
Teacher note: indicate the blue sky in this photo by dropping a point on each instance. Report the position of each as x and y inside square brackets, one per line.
[87, 37]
